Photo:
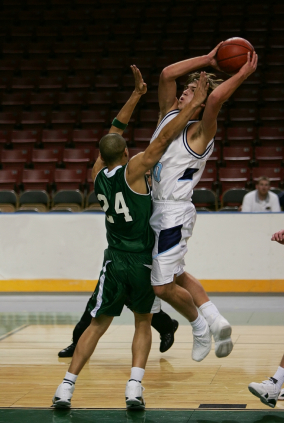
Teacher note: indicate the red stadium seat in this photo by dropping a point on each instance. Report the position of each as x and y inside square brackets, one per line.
[69, 178]
[271, 116]
[9, 179]
[241, 134]
[25, 139]
[23, 84]
[8, 120]
[78, 158]
[275, 174]
[34, 120]
[8, 67]
[71, 101]
[13, 50]
[149, 117]
[5, 139]
[79, 83]
[5, 83]
[209, 177]
[142, 136]
[95, 47]
[269, 156]
[91, 119]
[112, 64]
[39, 50]
[237, 156]
[63, 120]
[36, 179]
[98, 100]
[270, 133]
[54, 83]
[46, 159]
[216, 154]
[134, 151]
[273, 95]
[57, 67]
[55, 138]
[31, 68]
[42, 101]
[220, 133]
[243, 116]
[233, 177]
[108, 81]
[15, 159]
[86, 138]
[274, 77]
[90, 180]
[14, 102]
[245, 95]
[66, 50]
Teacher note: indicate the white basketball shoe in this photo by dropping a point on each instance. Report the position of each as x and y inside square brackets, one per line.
[266, 391]
[221, 331]
[134, 395]
[201, 345]
[281, 395]
[63, 395]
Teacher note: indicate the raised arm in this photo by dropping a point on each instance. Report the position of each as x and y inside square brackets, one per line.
[142, 162]
[119, 124]
[167, 83]
[126, 112]
[222, 93]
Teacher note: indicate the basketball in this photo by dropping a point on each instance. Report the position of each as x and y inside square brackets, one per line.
[232, 54]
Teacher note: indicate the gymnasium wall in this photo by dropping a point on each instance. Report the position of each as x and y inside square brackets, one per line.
[64, 252]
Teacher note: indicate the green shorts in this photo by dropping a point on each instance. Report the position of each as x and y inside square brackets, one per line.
[124, 279]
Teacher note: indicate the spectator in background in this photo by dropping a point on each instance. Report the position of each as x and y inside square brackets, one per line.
[261, 199]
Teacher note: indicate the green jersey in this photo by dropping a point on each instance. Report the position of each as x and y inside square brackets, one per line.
[127, 212]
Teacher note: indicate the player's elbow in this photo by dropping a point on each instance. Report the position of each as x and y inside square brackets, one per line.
[215, 100]
[166, 74]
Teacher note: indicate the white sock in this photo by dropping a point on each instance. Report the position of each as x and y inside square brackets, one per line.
[209, 311]
[279, 376]
[199, 325]
[70, 378]
[137, 373]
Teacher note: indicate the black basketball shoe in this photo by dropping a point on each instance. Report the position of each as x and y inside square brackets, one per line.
[168, 339]
[68, 351]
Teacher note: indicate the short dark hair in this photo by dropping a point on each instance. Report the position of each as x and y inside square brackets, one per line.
[112, 147]
[263, 178]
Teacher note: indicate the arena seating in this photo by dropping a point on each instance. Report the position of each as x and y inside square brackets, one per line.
[64, 74]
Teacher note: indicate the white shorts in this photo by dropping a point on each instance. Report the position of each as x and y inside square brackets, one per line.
[172, 223]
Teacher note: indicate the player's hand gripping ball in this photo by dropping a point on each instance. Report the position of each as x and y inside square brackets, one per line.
[232, 54]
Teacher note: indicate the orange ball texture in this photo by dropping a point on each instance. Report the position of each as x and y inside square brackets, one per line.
[232, 54]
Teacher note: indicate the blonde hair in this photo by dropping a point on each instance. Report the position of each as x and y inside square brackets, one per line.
[213, 83]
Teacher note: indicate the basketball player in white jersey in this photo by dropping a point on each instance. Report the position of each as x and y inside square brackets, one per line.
[173, 180]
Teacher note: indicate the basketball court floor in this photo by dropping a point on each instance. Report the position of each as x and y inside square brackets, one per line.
[33, 328]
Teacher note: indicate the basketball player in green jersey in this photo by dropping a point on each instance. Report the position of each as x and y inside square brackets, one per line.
[125, 197]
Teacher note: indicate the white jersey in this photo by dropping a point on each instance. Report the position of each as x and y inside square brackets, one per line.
[180, 168]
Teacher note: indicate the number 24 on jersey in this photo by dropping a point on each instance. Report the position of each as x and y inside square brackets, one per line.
[120, 207]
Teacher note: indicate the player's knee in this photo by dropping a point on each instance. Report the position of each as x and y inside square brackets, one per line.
[163, 291]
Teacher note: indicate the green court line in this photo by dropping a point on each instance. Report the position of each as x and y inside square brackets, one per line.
[9, 415]
[11, 332]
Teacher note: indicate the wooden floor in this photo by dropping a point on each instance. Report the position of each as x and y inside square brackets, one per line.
[30, 370]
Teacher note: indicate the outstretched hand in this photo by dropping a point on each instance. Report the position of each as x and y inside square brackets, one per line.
[200, 93]
[140, 85]
[250, 66]
[212, 57]
[279, 237]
